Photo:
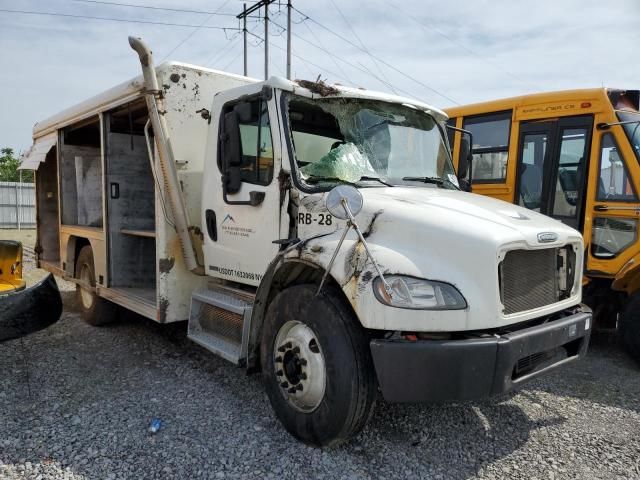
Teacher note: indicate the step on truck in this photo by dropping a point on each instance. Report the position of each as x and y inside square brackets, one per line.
[310, 232]
[575, 156]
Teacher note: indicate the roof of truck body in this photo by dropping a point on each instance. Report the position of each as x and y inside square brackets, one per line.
[129, 90]
[117, 95]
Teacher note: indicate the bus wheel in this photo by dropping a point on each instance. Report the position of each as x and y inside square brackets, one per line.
[629, 327]
[95, 311]
[316, 366]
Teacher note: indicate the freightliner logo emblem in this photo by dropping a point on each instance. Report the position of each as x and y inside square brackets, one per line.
[547, 237]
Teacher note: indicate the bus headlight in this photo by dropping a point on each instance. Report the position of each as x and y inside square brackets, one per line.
[418, 294]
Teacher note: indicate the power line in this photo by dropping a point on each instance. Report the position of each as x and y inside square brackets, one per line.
[387, 64]
[195, 30]
[152, 7]
[427, 26]
[361, 43]
[122, 20]
[360, 68]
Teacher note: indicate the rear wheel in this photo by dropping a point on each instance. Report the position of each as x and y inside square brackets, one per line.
[317, 366]
[629, 327]
[95, 311]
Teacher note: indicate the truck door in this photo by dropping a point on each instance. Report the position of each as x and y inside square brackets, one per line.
[242, 220]
[552, 167]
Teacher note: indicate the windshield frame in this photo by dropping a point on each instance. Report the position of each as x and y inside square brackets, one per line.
[306, 187]
[627, 133]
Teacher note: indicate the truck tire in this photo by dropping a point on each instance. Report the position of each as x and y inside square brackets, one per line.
[629, 327]
[317, 366]
[95, 311]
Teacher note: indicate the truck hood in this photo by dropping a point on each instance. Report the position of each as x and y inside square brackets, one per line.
[462, 213]
[443, 235]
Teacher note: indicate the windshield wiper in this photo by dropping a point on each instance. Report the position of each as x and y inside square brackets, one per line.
[319, 178]
[378, 179]
[435, 180]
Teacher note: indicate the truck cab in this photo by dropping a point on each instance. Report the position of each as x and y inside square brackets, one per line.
[316, 234]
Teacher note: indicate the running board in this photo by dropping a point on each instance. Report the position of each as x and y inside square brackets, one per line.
[219, 321]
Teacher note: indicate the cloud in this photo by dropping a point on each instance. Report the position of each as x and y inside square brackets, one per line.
[468, 51]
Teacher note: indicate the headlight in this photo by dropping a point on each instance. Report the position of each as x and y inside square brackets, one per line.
[418, 294]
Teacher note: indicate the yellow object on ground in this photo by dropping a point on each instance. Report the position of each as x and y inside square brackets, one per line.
[11, 266]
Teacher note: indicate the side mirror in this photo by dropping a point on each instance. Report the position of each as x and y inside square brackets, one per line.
[465, 159]
[231, 153]
[464, 156]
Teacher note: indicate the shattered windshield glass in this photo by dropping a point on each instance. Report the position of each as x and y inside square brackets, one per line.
[367, 142]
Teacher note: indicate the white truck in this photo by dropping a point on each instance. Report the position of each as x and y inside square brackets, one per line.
[314, 233]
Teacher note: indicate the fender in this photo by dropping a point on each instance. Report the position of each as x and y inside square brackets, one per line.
[628, 278]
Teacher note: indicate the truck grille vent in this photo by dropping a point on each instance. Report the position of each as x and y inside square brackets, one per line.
[528, 279]
[224, 324]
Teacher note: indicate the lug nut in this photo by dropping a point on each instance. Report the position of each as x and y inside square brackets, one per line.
[298, 387]
[296, 350]
[303, 362]
[303, 376]
[281, 348]
[292, 390]
[284, 384]
[279, 373]
[279, 359]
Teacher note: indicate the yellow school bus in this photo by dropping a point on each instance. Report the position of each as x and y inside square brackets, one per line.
[575, 156]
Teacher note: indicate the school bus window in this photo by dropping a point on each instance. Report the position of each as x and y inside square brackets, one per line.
[614, 183]
[490, 146]
[612, 235]
[632, 129]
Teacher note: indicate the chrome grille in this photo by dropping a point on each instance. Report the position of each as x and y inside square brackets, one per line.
[528, 279]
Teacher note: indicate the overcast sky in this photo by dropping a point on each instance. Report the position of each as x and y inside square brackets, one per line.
[443, 52]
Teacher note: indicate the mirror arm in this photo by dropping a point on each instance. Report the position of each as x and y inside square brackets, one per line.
[353, 224]
[352, 219]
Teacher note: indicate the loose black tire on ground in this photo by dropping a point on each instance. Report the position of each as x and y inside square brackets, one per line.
[350, 386]
[629, 327]
[95, 310]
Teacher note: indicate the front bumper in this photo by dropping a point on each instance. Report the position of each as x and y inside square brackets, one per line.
[29, 310]
[471, 369]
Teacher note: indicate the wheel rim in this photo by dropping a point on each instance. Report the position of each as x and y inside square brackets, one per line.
[86, 296]
[299, 366]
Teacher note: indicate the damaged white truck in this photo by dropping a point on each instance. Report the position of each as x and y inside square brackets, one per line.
[314, 233]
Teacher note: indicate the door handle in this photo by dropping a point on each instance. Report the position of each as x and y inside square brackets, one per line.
[601, 208]
[212, 229]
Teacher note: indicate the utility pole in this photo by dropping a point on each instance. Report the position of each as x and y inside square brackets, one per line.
[243, 16]
[244, 33]
[266, 40]
[289, 39]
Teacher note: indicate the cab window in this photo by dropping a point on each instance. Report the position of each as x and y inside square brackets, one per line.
[490, 146]
[614, 183]
[256, 149]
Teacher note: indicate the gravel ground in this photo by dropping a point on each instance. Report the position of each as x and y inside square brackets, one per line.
[76, 402]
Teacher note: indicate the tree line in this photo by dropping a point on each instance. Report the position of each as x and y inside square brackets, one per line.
[9, 163]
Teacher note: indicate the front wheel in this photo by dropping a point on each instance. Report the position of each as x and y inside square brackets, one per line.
[629, 327]
[316, 366]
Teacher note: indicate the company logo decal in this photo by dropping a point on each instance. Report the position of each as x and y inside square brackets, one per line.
[230, 227]
[547, 237]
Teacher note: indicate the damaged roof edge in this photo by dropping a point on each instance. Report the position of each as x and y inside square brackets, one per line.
[124, 92]
[351, 92]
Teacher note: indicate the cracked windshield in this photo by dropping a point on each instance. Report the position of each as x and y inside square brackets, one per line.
[368, 143]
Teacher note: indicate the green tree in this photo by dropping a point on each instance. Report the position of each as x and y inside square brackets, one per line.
[9, 164]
